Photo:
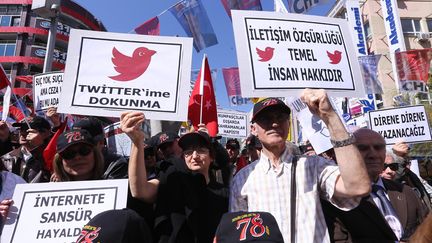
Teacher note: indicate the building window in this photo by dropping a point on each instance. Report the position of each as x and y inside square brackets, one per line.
[7, 49]
[429, 24]
[10, 9]
[9, 20]
[410, 26]
[367, 30]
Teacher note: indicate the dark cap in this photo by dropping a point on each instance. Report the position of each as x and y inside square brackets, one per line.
[36, 122]
[253, 142]
[232, 143]
[163, 138]
[266, 104]
[231, 227]
[116, 226]
[74, 136]
[195, 138]
[93, 126]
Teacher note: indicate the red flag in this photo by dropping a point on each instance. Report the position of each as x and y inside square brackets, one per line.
[4, 80]
[150, 27]
[50, 150]
[208, 114]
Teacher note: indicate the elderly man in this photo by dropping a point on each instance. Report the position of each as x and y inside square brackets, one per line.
[391, 213]
[267, 184]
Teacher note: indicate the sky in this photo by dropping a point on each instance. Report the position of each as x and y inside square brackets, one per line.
[124, 16]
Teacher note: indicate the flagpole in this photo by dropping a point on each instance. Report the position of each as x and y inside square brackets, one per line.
[201, 88]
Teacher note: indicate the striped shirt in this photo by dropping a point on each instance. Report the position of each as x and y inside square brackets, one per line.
[260, 187]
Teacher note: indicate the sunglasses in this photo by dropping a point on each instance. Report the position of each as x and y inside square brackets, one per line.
[70, 154]
[392, 166]
[376, 147]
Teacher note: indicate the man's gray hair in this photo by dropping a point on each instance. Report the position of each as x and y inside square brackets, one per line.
[396, 158]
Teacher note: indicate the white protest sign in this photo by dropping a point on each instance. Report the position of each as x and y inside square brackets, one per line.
[109, 73]
[409, 124]
[233, 124]
[56, 212]
[280, 54]
[46, 90]
[117, 141]
[313, 128]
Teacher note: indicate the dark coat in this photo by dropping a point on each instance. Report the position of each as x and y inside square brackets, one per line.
[365, 223]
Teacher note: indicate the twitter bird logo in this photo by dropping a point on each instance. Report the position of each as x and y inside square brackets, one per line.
[265, 55]
[335, 57]
[130, 68]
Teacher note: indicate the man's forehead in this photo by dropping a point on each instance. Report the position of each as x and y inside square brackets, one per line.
[368, 136]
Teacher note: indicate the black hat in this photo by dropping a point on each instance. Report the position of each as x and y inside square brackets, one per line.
[266, 228]
[36, 122]
[116, 226]
[163, 138]
[253, 142]
[232, 143]
[72, 137]
[267, 103]
[93, 126]
[195, 138]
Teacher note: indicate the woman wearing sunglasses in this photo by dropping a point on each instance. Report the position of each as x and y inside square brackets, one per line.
[77, 157]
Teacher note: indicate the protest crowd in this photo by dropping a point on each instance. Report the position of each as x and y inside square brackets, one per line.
[197, 184]
[190, 188]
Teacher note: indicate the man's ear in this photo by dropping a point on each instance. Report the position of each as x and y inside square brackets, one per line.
[253, 129]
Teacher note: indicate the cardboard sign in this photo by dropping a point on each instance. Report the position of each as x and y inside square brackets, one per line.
[280, 54]
[313, 128]
[56, 212]
[109, 73]
[46, 90]
[117, 141]
[409, 124]
[233, 124]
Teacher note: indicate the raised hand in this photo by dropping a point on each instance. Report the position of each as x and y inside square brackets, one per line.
[130, 123]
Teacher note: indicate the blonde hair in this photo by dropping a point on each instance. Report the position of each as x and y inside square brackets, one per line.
[97, 169]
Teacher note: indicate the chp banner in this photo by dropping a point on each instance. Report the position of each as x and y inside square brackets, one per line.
[409, 124]
[279, 54]
[109, 73]
[414, 70]
[232, 84]
[56, 212]
[233, 124]
[46, 90]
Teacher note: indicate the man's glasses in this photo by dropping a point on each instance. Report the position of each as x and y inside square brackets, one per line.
[199, 151]
[376, 147]
[392, 166]
[70, 154]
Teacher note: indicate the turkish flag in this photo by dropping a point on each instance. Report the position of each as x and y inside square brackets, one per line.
[206, 112]
[4, 80]
[51, 149]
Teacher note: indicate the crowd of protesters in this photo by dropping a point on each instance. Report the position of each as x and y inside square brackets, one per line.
[191, 188]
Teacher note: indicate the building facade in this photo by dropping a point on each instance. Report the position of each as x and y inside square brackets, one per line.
[416, 21]
[24, 36]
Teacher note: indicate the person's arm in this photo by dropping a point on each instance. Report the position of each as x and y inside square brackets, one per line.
[4, 209]
[140, 188]
[353, 180]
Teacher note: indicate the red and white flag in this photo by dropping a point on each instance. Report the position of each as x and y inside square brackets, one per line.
[5, 83]
[150, 27]
[202, 102]
[4, 80]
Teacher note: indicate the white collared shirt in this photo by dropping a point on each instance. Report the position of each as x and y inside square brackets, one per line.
[259, 187]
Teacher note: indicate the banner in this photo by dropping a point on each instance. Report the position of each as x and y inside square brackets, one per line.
[194, 76]
[280, 54]
[395, 37]
[312, 127]
[150, 27]
[241, 5]
[46, 90]
[414, 70]
[303, 6]
[409, 124]
[233, 124]
[109, 73]
[355, 23]
[193, 18]
[232, 84]
[369, 67]
[118, 142]
[56, 212]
